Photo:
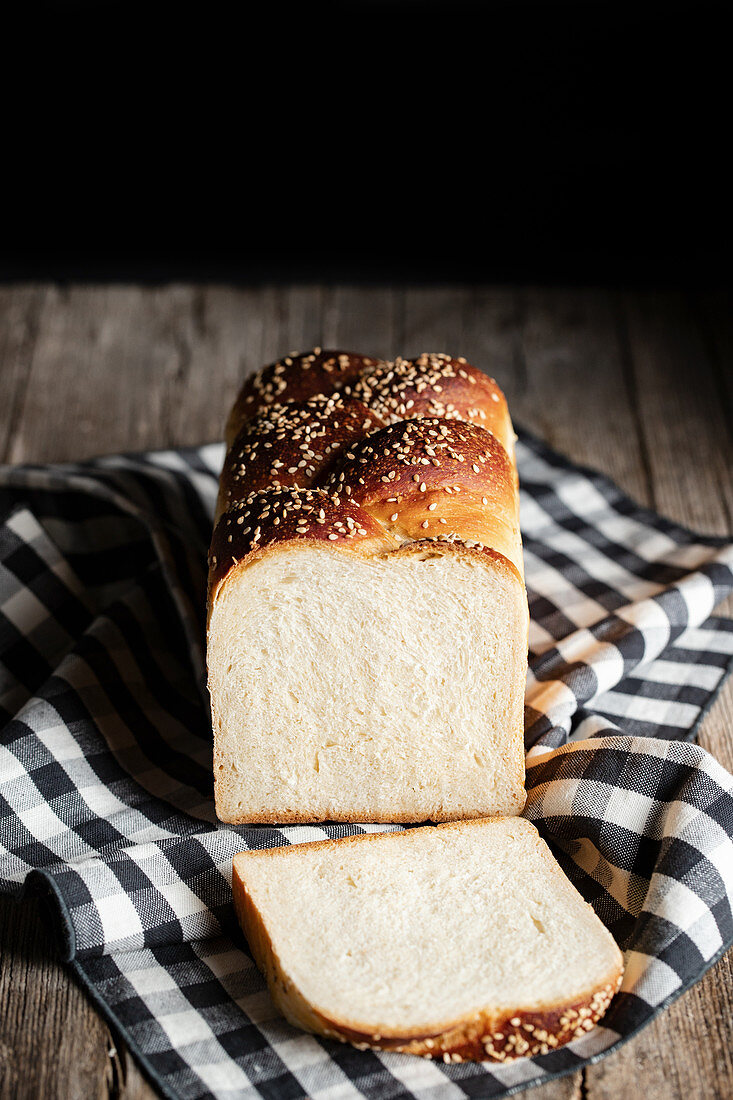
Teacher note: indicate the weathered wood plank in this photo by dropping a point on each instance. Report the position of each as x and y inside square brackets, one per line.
[713, 314]
[52, 1042]
[121, 368]
[689, 443]
[20, 313]
[680, 387]
[96, 359]
[362, 319]
[433, 320]
[212, 338]
[576, 394]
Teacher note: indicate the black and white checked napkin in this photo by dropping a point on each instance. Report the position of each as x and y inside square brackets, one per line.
[106, 787]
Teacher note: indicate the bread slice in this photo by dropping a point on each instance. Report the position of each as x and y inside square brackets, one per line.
[463, 941]
[364, 684]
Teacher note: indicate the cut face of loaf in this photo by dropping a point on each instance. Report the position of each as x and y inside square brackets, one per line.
[353, 683]
[464, 941]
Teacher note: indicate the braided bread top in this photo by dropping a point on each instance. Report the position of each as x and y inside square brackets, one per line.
[296, 377]
[365, 454]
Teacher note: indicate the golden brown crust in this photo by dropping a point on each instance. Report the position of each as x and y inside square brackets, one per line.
[434, 478]
[292, 445]
[435, 385]
[442, 478]
[483, 1037]
[446, 476]
[295, 377]
[478, 1036]
[274, 517]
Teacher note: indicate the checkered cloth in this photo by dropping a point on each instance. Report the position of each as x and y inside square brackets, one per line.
[106, 787]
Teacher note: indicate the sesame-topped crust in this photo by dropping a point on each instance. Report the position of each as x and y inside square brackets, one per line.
[436, 386]
[480, 1038]
[292, 445]
[435, 478]
[277, 516]
[296, 377]
[424, 446]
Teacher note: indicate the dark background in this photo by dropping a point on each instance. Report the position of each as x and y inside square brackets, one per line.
[582, 143]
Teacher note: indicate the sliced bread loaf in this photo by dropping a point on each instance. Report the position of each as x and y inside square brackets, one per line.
[368, 619]
[461, 941]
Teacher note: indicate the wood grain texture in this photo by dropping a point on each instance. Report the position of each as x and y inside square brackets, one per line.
[52, 1042]
[20, 309]
[639, 386]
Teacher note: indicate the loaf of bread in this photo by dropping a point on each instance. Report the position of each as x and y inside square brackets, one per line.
[463, 941]
[367, 634]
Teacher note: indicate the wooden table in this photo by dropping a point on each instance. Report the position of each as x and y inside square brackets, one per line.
[638, 385]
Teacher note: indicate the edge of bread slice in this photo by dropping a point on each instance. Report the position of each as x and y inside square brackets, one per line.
[462, 941]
